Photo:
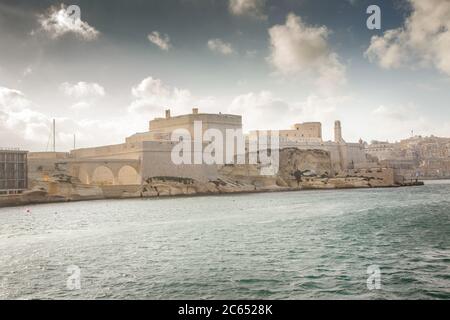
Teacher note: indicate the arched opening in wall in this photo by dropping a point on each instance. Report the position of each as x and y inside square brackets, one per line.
[83, 175]
[128, 176]
[102, 176]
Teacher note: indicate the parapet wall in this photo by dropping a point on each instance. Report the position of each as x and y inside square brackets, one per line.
[182, 121]
[117, 151]
[48, 155]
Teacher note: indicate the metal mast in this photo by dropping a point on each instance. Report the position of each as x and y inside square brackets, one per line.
[54, 135]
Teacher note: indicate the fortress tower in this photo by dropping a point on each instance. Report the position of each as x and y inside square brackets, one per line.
[338, 132]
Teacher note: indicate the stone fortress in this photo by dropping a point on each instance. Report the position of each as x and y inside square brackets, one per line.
[148, 154]
[142, 165]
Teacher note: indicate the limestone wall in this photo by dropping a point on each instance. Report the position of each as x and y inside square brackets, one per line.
[44, 169]
[377, 176]
[355, 153]
[155, 158]
[48, 155]
[157, 161]
[117, 151]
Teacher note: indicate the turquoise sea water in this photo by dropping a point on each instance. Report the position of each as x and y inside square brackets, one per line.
[291, 245]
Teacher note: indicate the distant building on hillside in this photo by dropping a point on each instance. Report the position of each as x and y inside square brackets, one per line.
[427, 157]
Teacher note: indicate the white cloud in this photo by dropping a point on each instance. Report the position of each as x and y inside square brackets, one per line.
[252, 8]
[423, 40]
[12, 100]
[218, 45]
[297, 48]
[316, 108]
[398, 113]
[162, 41]
[398, 121]
[58, 21]
[152, 96]
[23, 126]
[150, 88]
[263, 110]
[82, 90]
[80, 105]
[19, 123]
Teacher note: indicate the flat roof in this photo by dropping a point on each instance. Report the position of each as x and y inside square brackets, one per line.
[199, 114]
[15, 150]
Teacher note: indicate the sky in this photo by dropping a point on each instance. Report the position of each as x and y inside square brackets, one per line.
[103, 74]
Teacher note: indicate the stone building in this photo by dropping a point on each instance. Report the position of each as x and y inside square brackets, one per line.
[307, 131]
[308, 135]
[381, 149]
[425, 157]
[148, 154]
[160, 129]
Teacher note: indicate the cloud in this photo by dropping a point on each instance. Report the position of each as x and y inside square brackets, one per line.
[81, 105]
[423, 40]
[11, 99]
[218, 45]
[150, 88]
[260, 110]
[19, 123]
[398, 113]
[300, 49]
[82, 90]
[152, 96]
[162, 41]
[317, 108]
[252, 8]
[263, 110]
[57, 22]
[86, 94]
[23, 126]
[398, 121]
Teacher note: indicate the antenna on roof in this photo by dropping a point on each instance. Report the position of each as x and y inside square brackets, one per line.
[54, 135]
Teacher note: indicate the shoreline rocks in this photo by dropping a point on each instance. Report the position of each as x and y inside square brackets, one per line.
[160, 187]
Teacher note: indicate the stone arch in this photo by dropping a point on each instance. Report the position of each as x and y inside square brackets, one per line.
[128, 175]
[103, 175]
